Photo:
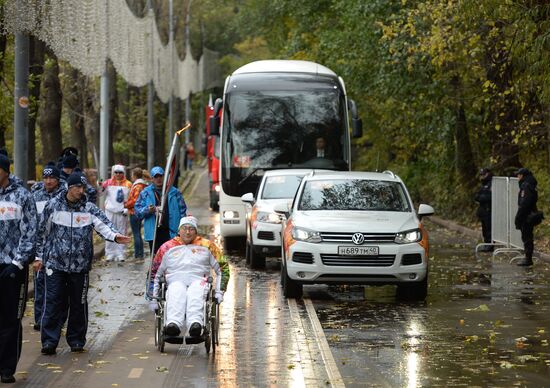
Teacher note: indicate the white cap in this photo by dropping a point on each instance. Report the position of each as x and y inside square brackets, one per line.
[190, 220]
[118, 168]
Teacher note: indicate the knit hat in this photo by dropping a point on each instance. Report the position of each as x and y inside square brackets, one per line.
[50, 170]
[484, 171]
[118, 168]
[70, 161]
[523, 171]
[5, 163]
[76, 178]
[156, 171]
[190, 220]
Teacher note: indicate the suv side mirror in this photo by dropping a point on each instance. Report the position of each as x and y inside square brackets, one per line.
[425, 210]
[215, 118]
[248, 198]
[282, 208]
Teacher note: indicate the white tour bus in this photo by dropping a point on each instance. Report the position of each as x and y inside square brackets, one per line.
[273, 114]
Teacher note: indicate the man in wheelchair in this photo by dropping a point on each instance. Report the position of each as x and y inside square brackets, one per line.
[185, 262]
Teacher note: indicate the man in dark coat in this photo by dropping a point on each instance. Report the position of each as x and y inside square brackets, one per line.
[483, 197]
[18, 222]
[527, 203]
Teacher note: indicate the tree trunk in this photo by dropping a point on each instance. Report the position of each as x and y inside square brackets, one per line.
[504, 112]
[3, 44]
[91, 110]
[50, 111]
[36, 69]
[114, 126]
[464, 157]
[75, 104]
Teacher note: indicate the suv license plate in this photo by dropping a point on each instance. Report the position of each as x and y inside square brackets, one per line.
[357, 251]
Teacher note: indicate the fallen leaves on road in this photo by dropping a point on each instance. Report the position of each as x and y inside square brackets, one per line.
[481, 307]
[162, 369]
[527, 357]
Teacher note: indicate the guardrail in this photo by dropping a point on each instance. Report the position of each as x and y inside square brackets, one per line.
[504, 206]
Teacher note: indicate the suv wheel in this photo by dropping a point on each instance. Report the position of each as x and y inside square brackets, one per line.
[257, 260]
[247, 253]
[417, 291]
[291, 288]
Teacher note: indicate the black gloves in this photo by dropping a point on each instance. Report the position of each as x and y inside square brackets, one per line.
[11, 271]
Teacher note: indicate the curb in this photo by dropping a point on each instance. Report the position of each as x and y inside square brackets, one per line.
[451, 225]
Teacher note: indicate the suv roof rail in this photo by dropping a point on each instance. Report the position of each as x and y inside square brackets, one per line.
[390, 173]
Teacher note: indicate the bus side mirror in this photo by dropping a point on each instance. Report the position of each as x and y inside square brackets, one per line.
[356, 122]
[215, 118]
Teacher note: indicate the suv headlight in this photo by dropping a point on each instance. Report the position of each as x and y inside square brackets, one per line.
[271, 218]
[301, 234]
[408, 236]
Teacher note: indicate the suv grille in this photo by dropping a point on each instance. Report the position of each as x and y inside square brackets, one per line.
[369, 237]
[266, 235]
[302, 257]
[358, 261]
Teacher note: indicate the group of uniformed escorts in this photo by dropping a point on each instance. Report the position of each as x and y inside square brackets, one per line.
[51, 228]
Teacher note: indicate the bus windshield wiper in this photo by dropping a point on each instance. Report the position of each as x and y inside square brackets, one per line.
[250, 174]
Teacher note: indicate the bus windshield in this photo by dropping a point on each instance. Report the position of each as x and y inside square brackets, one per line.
[272, 129]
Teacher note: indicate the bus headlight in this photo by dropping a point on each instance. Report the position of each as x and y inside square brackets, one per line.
[301, 234]
[231, 217]
[230, 214]
[408, 236]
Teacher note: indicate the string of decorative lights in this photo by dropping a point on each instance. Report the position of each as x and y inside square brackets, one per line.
[85, 33]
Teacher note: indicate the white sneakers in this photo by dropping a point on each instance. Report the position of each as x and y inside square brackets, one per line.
[119, 258]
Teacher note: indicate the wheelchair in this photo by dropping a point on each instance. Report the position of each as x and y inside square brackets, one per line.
[210, 326]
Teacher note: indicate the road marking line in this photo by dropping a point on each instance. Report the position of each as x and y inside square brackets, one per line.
[305, 356]
[197, 183]
[330, 365]
[135, 373]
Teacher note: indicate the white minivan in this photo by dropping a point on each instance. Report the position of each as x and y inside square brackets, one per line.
[263, 225]
[354, 227]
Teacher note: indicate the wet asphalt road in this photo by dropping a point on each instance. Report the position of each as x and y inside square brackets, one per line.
[484, 323]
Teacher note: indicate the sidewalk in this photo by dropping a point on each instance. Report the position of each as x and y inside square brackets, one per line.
[451, 225]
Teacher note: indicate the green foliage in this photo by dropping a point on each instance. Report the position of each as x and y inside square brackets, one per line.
[414, 67]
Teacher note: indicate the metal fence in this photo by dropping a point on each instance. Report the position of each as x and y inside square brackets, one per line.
[504, 206]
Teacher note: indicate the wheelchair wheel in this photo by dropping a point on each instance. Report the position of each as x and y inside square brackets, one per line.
[214, 325]
[157, 330]
[207, 333]
[159, 337]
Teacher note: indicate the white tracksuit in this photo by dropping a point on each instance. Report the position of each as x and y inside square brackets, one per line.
[186, 269]
[114, 210]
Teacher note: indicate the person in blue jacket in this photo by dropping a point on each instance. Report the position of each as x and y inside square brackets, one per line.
[18, 222]
[148, 205]
[64, 246]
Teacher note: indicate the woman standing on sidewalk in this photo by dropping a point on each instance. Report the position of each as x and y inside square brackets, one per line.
[135, 222]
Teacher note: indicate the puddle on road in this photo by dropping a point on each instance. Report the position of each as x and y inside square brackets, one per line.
[485, 322]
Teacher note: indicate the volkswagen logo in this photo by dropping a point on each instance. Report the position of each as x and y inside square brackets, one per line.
[358, 238]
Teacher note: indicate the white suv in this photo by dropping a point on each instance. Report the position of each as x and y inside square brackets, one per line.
[263, 225]
[354, 227]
